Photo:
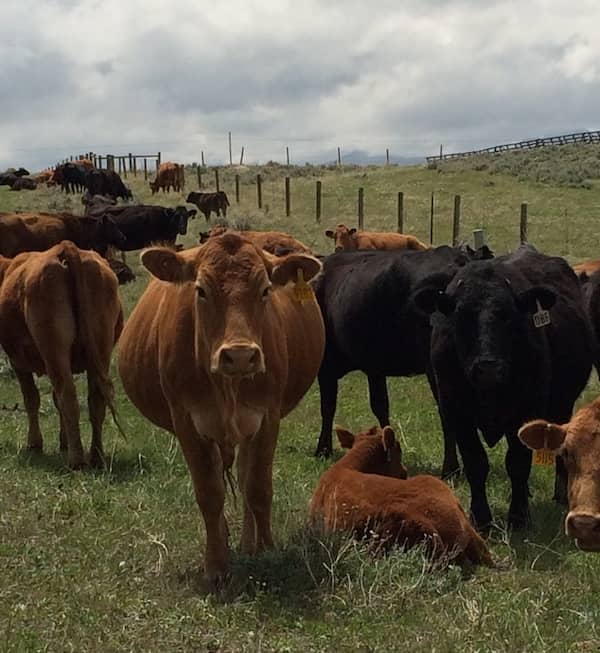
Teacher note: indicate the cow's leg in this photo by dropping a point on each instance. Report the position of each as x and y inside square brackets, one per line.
[450, 466]
[378, 398]
[97, 411]
[328, 388]
[206, 215]
[62, 435]
[255, 471]
[476, 468]
[31, 399]
[224, 209]
[204, 461]
[68, 406]
[518, 467]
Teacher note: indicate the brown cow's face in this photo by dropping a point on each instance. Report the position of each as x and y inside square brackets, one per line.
[343, 237]
[578, 442]
[233, 281]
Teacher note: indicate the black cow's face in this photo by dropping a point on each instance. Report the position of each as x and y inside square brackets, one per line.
[112, 234]
[181, 215]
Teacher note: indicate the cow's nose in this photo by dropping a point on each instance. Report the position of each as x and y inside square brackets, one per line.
[488, 372]
[583, 526]
[239, 360]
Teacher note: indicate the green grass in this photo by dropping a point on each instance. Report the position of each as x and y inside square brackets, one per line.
[109, 560]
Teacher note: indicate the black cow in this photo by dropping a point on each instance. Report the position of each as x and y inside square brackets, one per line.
[143, 225]
[590, 287]
[7, 179]
[208, 202]
[511, 342]
[106, 182]
[71, 177]
[18, 172]
[372, 324]
[23, 183]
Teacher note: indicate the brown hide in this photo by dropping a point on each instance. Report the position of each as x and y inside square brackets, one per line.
[347, 239]
[61, 314]
[217, 352]
[589, 267]
[273, 242]
[367, 493]
[578, 442]
[169, 175]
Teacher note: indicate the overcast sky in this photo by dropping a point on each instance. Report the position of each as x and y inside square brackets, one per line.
[176, 75]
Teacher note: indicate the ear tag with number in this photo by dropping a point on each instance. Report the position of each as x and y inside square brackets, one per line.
[543, 456]
[302, 291]
[541, 318]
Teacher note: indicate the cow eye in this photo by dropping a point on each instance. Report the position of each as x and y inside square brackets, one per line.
[201, 292]
[266, 291]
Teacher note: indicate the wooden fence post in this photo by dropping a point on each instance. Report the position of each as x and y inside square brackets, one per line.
[523, 229]
[287, 196]
[125, 166]
[259, 191]
[120, 166]
[361, 209]
[400, 212]
[339, 157]
[387, 156]
[158, 158]
[456, 221]
[199, 173]
[318, 207]
[287, 155]
[242, 155]
[202, 158]
[135, 166]
[230, 155]
[217, 179]
[237, 189]
[145, 169]
[431, 215]
[130, 162]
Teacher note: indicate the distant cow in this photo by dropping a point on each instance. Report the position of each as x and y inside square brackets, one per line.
[106, 182]
[144, 225]
[23, 183]
[37, 232]
[367, 493]
[71, 177]
[18, 172]
[373, 325]
[218, 350]
[274, 242]
[8, 179]
[577, 442]
[169, 175]
[45, 176]
[511, 342]
[208, 202]
[61, 314]
[350, 239]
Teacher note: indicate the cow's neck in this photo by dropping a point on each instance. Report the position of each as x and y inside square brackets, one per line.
[363, 458]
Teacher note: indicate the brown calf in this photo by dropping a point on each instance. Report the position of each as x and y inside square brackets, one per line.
[274, 242]
[60, 313]
[578, 443]
[347, 239]
[367, 492]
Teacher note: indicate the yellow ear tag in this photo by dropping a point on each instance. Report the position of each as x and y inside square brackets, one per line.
[302, 291]
[543, 456]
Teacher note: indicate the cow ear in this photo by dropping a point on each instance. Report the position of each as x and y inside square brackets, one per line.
[329, 233]
[352, 231]
[388, 437]
[540, 434]
[528, 299]
[286, 269]
[166, 265]
[345, 437]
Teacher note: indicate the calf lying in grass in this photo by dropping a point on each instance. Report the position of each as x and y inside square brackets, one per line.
[368, 492]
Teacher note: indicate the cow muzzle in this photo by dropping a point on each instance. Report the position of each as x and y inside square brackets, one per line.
[584, 528]
[240, 359]
[488, 373]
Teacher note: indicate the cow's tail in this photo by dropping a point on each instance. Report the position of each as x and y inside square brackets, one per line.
[84, 310]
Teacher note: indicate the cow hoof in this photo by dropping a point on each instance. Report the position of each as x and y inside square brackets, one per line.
[323, 452]
[76, 463]
[215, 579]
[97, 460]
[38, 447]
[519, 521]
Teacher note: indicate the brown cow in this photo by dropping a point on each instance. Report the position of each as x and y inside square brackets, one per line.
[37, 232]
[50, 324]
[578, 443]
[220, 348]
[367, 492]
[169, 175]
[274, 242]
[347, 239]
[589, 267]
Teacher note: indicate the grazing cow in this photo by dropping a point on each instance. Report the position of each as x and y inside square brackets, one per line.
[71, 177]
[367, 492]
[208, 202]
[511, 342]
[23, 183]
[51, 325]
[274, 242]
[374, 326]
[144, 225]
[37, 232]
[347, 239]
[578, 444]
[106, 182]
[169, 175]
[220, 347]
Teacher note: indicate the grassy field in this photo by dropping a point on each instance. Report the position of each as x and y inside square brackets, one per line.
[108, 560]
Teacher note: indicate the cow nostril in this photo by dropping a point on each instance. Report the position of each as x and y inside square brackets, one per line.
[227, 358]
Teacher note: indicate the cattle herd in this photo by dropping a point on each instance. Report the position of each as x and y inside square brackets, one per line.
[229, 335]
